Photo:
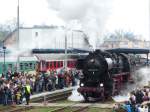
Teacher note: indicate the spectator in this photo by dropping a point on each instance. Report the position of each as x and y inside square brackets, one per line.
[18, 96]
[115, 108]
[15, 87]
[146, 109]
[27, 93]
[139, 96]
[141, 108]
[127, 106]
[133, 99]
[145, 97]
[5, 94]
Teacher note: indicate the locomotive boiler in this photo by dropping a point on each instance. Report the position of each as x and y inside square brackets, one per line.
[103, 74]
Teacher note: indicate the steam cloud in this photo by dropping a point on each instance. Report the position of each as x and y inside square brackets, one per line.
[141, 76]
[91, 15]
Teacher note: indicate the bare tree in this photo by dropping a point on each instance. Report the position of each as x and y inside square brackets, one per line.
[7, 27]
[120, 34]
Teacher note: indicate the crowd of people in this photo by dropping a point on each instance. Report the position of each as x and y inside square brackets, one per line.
[20, 85]
[139, 101]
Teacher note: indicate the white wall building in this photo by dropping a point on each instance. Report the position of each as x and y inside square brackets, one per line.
[47, 37]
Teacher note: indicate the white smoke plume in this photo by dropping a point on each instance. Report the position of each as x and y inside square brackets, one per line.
[141, 76]
[76, 96]
[90, 14]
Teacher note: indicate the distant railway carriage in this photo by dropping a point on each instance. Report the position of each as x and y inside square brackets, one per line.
[48, 62]
[39, 62]
[50, 65]
[28, 63]
[54, 59]
[25, 64]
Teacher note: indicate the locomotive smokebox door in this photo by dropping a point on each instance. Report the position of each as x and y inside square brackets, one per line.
[80, 63]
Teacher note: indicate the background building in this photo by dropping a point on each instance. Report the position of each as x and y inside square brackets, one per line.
[124, 43]
[47, 37]
[120, 39]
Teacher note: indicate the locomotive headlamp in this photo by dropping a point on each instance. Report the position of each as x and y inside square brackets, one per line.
[101, 85]
[92, 60]
[82, 84]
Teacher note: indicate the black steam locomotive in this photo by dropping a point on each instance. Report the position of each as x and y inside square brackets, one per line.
[103, 74]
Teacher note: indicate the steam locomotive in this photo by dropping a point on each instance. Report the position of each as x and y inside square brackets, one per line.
[103, 74]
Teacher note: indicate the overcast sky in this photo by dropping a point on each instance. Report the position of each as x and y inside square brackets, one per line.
[129, 15]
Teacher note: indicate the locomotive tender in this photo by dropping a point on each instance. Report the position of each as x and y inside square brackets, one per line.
[103, 74]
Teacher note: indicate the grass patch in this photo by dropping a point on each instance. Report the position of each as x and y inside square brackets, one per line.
[49, 109]
[99, 110]
[42, 109]
[7, 107]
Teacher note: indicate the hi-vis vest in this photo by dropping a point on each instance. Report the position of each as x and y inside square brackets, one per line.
[28, 88]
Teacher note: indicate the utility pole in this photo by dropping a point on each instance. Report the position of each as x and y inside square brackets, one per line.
[4, 67]
[18, 25]
[72, 38]
[65, 63]
[18, 33]
[149, 18]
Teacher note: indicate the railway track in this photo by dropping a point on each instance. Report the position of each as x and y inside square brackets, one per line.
[5, 107]
[81, 109]
[77, 109]
[62, 109]
[53, 97]
[71, 108]
[16, 109]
